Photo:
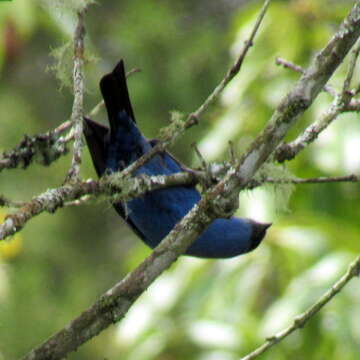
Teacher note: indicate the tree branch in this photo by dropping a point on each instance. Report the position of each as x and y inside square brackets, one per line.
[45, 148]
[5, 202]
[234, 70]
[77, 114]
[301, 320]
[114, 187]
[298, 181]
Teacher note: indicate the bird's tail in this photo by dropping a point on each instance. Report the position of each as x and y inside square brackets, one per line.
[115, 93]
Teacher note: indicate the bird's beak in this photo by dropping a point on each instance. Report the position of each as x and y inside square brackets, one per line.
[265, 225]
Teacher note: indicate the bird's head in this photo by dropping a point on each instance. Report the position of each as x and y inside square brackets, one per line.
[258, 233]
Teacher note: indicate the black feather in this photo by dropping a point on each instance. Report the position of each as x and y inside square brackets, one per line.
[115, 93]
[97, 138]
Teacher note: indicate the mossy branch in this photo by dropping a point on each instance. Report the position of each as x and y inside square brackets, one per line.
[77, 114]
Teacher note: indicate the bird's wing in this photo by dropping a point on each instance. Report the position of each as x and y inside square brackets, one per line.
[121, 211]
[96, 136]
[174, 164]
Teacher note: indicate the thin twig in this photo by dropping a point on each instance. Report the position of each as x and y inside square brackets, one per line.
[299, 181]
[289, 65]
[78, 105]
[353, 106]
[297, 68]
[287, 151]
[347, 83]
[203, 162]
[234, 70]
[232, 153]
[5, 202]
[301, 320]
[96, 109]
[317, 180]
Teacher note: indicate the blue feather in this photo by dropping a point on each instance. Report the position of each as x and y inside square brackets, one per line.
[155, 214]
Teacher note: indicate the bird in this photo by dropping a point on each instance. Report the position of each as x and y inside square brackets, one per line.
[155, 214]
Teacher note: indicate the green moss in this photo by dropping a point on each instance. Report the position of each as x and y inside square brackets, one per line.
[62, 68]
[176, 125]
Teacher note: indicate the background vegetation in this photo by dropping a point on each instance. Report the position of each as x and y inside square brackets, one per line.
[199, 309]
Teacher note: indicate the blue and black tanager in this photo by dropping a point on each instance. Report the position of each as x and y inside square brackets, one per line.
[154, 215]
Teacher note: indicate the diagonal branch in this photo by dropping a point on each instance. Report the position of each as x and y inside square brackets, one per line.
[235, 68]
[288, 151]
[301, 320]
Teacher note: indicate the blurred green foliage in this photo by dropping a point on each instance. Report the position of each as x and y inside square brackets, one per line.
[59, 264]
